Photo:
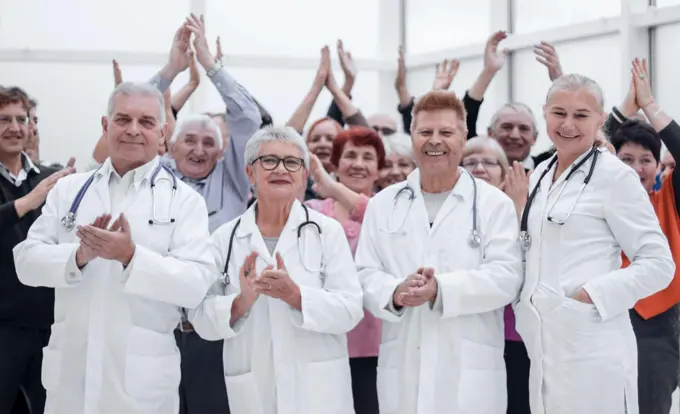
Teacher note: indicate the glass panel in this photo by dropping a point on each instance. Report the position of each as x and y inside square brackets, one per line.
[444, 24]
[293, 27]
[592, 57]
[72, 98]
[129, 25]
[665, 77]
[533, 15]
[280, 91]
[420, 81]
[667, 3]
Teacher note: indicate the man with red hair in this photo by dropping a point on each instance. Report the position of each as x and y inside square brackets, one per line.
[438, 261]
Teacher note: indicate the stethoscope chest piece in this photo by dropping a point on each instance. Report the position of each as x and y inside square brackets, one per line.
[69, 221]
[475, 239]
[524, 241]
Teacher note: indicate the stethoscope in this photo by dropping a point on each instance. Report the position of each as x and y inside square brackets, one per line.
[524, 237]
[307, 222]
[475, 239]
[69, 220]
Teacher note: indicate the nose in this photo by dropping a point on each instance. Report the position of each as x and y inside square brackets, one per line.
[479, 168]
[133, 128]
[394, 170]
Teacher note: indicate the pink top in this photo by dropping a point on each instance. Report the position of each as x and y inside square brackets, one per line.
[510, 332]
[364, 339]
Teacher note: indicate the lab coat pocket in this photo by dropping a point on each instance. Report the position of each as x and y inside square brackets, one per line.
[51, 369]
[152, 368]
[330, 387]
[388, 380]
[244, 397]
[482, 385]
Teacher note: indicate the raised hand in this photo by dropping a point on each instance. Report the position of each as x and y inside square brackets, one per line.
[117, 75]
[444, 74]
[493, 58]
[246, 275]
[516, 186]
[179, 58]
[324, 67]
[643, 88]
[218, 50]
[346, 63]
[85, 253]
[400, 80]
[112, 244]
[196, 25]
[547, 55]
[37, 196]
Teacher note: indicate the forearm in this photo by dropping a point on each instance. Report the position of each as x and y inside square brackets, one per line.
[242, 111]
[344, 103]
[163, 79]
[180, 98]
[46, 265]
[657, 117]
[326, 311]
[299, 118]
[472, 107]
[343, 195]
[405, 97]
[481, 84]
[217, 317]
[405, 109]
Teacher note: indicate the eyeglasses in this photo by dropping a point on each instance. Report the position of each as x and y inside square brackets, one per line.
[271, 162]
[6, 120]
[471, 164]
[384, 131]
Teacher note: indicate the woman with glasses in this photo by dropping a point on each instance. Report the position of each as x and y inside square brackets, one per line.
[485, 159]
[289, 294]
[584, 208]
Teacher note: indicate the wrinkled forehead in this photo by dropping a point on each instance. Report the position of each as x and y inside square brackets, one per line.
[512, 116]
[137, 106]
[280, 148]
[13, 109]
[197, 131]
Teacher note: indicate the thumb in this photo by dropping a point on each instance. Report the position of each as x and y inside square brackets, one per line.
[279, 261]
[429, 273]
[124, 225]
[71, 162]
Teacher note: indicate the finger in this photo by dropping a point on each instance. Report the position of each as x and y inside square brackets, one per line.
[436, 68]
[125, 225]
[644, 65]
[429, 273]
[89, 244]
[88, 239]
[279, 261]
[543, 61]
[116, 226]
[99, 235]
[420, 270]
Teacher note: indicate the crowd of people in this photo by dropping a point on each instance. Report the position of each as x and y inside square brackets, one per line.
[215, 263]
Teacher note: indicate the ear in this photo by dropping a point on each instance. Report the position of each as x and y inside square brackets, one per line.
[545, 112]
[250, 171]
[105, 125]
[164, 129]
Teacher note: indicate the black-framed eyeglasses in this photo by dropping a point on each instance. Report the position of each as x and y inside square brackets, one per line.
[384, 131]
[6, 120]
[471, 164]
[271, 162]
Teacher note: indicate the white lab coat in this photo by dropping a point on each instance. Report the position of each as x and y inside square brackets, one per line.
[446, 358]
[584, 357]
[112, 349]
[278, 360]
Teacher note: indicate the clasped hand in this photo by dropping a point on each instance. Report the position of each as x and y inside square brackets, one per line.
[417, 289]
[275, 283]
[100, 240]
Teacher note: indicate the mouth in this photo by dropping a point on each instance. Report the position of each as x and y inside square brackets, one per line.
[357, 175]
[435, 153]
[568, 136]
[197, 161]
[323, 153]
[280, 181]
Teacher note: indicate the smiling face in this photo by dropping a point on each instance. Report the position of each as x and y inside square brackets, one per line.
[320, 141]
[14, 129]
[667, 165]
[642, 161]
[278, 172]
[358, 167]
[133, 130]
[397, 168]
[196, 151]
[514, 130]
[438, 141]
[573, 118]
[485, 165]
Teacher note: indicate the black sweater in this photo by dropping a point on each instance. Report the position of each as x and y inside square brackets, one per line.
[20, 306]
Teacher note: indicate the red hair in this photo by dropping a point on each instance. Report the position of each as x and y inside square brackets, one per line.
[316, 123]
[359, 136]
[438, 100]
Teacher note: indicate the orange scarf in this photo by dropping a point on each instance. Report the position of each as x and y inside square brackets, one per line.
[663, 202]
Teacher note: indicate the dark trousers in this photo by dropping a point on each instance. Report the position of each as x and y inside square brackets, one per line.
[517, 368]
[21, 390]
[365, 384]
[202, 389]
[658, 342]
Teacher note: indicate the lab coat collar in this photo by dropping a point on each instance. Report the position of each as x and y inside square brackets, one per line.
[584, 168]
[287, 239]
[462, 191]
[139, 174]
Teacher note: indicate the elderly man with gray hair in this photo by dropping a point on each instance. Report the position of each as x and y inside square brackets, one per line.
[125, 247]
[289, 295]
[215, 168]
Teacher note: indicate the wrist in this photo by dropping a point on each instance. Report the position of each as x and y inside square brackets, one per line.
[169, 72]
[127, 256]
[208, 62]
[22, 206]
[489, 71]
[650, 106]
[80, 260]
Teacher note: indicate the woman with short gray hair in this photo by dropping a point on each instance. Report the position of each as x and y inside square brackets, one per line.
[289, 295]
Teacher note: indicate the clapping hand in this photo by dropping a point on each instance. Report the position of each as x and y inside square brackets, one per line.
[249, 293]
[494, 59]
[417, 289]
[547, 55]
[114, 243]
[643, 88]
[196, 25]
[277, 283]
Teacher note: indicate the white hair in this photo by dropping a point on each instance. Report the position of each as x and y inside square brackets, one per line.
[481, 143]
[574, 82]
[274, 134]
[518, 107]
[138, 89]
[398, 143]
[198, 120]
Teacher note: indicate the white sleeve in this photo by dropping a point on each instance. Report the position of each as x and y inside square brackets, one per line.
[185, 274]
[336, 307]
[497, 281]
[40, 260]
[377, 284]
[635, 226]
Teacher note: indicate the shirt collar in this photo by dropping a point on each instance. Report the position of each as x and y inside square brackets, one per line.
[529, 162]
[462, 189]
[139, 174]
[26, 167]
